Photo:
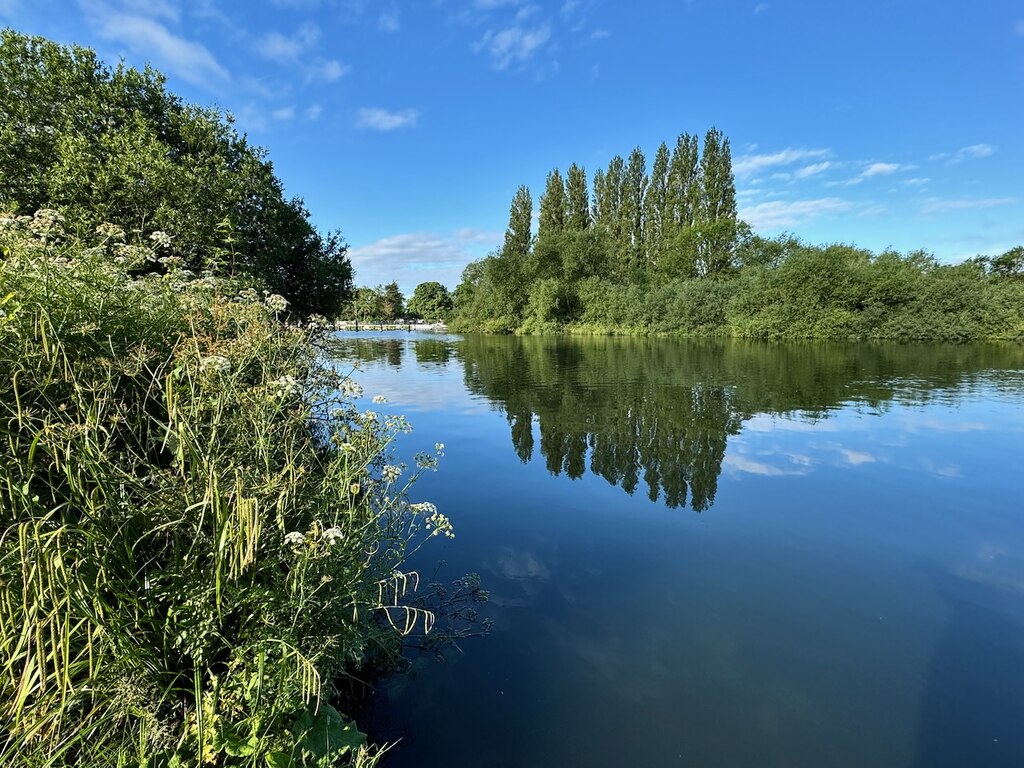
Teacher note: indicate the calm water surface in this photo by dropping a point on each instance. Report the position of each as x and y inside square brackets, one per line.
[716, 554]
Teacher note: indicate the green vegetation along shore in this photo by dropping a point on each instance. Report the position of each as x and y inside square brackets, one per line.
[201, 534]
[665, 253]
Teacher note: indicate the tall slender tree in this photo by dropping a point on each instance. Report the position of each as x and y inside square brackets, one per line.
[578, 201]
[656, 210]
[518, 235]
[684, 184]
[718, 219]
[552, 207]
[599, 203]
[631, 210]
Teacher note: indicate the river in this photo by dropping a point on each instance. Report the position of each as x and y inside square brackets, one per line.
[715, 553]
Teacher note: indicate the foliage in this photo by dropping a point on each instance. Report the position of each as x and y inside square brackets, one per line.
[101, 145]
[199, 530]
[430, 301]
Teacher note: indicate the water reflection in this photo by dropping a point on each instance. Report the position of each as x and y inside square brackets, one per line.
[657, 414]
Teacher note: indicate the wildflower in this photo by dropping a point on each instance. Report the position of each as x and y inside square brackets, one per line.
[350, 388]
[285, 387]
[276, 303]
[8, 221]
[390, 473]
[440, 524]
[295, 538]
[160, 239]
[215, 364]
[110, 231]
[333, 536]
[47, 223]
[423, 507]
[247, 296]
[370, 416]
[439, 447]
[379, 399]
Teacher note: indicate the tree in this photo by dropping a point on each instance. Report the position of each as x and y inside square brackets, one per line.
[656, 206]
[430, 301]
[518, 236]
[112, 145]
[367, 304]
[578, 202]
[552, 206]
[392, 302]
[684, 190]
[631, 211]
[718, 210]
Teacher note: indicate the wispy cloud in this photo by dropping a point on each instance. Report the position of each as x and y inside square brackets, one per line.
[417, 257]
[283, 114]
[313, 112]
[871, 171]
[516, 44]
[972, 152]
[328, 71]
[377, 119]
[812, 170]
[747, 165]
[937, 205]
[779, 213]
[389, 20]
[288, 48]
[145, 36]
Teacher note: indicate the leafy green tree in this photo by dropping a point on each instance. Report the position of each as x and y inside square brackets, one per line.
[112, 145]
[656, 207]
[392, 302]
[684, 188]
[552, 206]
[367, 304]
[430, 301]
[518, 237]
[718, 209]
[577, 199]
[631, 212]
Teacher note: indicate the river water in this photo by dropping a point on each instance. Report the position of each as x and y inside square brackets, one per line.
[715, 554]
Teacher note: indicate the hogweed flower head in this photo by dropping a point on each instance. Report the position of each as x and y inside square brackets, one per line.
[276, 303]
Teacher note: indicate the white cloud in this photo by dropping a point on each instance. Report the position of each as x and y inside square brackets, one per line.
[748, 165]
[513, 44]
[971, 152]
[288, 48]
[414, 258]
[937, 205]
[857, 457]
[739, 463]
[184, 58]
[313, 112]
[915, 182]
[283, 114]
[329, 71]
[600, 34]
[812, 170]
[389, 20]
[778, 213]
[880, 169]
[378, 119]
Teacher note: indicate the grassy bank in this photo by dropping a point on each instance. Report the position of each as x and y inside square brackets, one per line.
[200, 533]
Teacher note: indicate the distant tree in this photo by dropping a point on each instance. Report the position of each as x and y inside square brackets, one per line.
[631, 211]
[684, 189]
[718, 210]
[367, 304]
[518, 236]
[577, 199]
[656, 206]
[1009, 264]
[392, 302]
[430, 301]
[552, 206]
[609, 198]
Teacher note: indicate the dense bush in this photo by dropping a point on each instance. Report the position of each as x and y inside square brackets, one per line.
[199, 531]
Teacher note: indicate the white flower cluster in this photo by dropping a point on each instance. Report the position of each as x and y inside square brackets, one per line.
[286, 387]
[110, 231]
[333, 536]
[160, 239]
[247, 296]
[379, 399]
[390, 473]
[423, 508]
[276, 303]
[133, 255]
[47, 223]
[295, 538]
[216, 364]
[350, 388]
[440, 524]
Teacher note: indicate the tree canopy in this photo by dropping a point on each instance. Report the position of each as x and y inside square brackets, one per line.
[104, 144]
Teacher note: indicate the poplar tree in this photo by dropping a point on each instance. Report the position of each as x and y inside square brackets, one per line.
[599, 204]
[684, 189]
[718, 210]
[656, 210]
[611, 203]
[631, 210]
[518, 235]
[552, 207]
[577, 199]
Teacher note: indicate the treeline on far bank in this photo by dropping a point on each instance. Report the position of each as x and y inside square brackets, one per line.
[665, 253]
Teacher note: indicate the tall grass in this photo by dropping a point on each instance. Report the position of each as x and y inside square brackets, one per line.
[199, 532]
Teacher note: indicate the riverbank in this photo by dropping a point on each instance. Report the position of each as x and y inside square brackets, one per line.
[201, 530]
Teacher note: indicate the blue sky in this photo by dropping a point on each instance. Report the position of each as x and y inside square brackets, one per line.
[409, 125]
